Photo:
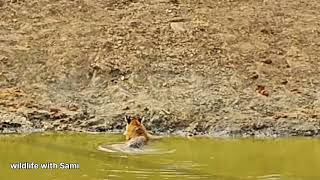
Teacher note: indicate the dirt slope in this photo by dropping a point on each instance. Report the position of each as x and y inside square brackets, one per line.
[236, 67]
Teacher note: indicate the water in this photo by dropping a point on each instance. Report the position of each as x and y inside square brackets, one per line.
[196, 158]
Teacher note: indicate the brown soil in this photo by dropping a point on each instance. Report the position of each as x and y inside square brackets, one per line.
[236, 67]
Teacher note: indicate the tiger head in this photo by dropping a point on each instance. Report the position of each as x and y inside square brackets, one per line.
[135, 128]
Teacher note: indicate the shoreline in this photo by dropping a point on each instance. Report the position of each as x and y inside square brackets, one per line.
[225, 129]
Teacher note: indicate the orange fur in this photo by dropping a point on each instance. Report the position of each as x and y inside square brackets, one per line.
[135, 130]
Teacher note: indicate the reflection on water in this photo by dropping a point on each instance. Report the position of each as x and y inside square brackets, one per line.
[198, 158]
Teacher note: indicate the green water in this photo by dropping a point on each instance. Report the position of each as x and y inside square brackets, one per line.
[197, 158]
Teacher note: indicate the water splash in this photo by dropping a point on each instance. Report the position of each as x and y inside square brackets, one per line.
[123, 148]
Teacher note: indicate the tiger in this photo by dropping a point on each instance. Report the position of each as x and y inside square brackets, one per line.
[135, 132]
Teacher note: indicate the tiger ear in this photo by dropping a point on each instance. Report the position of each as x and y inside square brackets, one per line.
[127, 118]
[141, 119]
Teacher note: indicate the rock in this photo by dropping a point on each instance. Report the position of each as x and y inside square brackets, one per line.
[178, 27]
[3, 59]
[267, 61]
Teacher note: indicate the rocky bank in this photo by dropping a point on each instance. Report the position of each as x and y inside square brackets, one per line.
[219, 68]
